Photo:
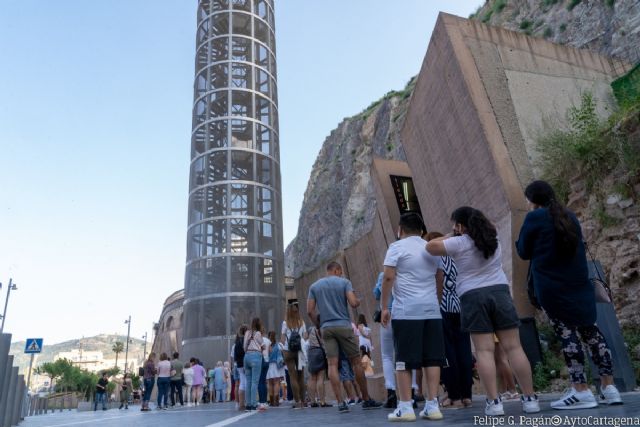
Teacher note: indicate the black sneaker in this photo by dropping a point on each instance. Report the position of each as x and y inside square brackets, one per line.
[343, 407]
[392, 400]
[371, 404]
[351, 402]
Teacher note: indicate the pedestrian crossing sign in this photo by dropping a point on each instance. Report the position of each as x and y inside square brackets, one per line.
[33, 345]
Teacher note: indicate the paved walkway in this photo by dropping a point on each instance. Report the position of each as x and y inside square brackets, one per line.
[218, 415]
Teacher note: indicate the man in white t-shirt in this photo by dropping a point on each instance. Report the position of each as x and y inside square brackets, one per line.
[410, 272]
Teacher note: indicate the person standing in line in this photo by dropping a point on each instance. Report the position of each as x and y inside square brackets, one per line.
[211, 391]
[347, 378]
[386, 351]
[275, 372]
[164, 375]
[331, 296]
[101, 392]
[293, 330]
[219, 382]
[317, 367]
[262, 382]
[486, 306]
[417, 323]
[229, 385]
[458, 375]
[176, 380]
[125, 392]
[253, 362]
[149, 379]
[364, 333]
[199, 375]
[187, 372]
[367, 363]
[238, 357]
[551, 237]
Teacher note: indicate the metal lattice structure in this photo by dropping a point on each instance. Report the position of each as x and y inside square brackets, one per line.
[235, 251]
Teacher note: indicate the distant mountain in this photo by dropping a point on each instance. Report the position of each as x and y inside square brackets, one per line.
[103, 343]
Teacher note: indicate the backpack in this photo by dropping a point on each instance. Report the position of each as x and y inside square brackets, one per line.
[295, 341]
[238, 352]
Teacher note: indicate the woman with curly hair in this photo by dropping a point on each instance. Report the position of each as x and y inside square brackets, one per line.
[486, 306]
[551, 238]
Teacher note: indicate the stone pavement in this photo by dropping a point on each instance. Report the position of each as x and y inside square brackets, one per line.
[218, 415]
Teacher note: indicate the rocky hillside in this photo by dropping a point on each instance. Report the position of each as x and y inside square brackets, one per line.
[611, 27]
[339, 204]
[103, 343]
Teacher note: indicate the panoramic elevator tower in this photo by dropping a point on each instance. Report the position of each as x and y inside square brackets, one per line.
[235, 257]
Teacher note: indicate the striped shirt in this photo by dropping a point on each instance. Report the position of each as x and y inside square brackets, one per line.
[450, 301]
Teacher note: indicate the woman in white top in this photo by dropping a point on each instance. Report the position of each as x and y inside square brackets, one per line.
[486, 306]
[164, 374]
[253, 345]
[187, 373]
[294, 327]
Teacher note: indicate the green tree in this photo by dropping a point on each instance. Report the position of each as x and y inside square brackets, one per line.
[54, 370]
[117, 348]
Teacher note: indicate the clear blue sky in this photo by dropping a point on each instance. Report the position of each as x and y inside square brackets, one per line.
[95, 122]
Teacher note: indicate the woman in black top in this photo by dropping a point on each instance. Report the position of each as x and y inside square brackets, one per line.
[552, 239]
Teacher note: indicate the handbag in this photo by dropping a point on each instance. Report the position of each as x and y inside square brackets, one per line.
[377, 316]
[601, 288]
[531, 291]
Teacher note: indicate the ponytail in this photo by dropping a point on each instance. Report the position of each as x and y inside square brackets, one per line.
[479, 228]
[566, 232]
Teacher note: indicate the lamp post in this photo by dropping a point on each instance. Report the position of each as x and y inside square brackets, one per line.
[12, 287]
[126, 351]
[144, 354]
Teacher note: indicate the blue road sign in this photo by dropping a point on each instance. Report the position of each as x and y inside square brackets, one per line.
[34, 345]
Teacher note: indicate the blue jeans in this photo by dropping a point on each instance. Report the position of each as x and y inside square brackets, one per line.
[163, 391]
[148, 388]
[252, 368]
[262, 384]
[100, 397]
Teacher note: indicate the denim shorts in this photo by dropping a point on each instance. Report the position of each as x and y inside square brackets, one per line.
[344, 367]
[488, 309]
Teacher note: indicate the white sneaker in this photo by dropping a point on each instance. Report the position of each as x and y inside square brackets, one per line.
[573, 399]
[402, 414]
[494, 408]
[610, 395]
[431, 410]
[530, 404]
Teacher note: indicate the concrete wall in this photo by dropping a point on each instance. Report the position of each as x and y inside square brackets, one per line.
[482, 97]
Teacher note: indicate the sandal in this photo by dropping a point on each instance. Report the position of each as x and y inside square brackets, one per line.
[467, 402]
[326, 405]
[452, 404]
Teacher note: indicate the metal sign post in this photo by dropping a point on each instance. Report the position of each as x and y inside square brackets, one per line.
[32, 346]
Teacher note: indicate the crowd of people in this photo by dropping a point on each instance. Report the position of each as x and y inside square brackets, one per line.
[445, 301]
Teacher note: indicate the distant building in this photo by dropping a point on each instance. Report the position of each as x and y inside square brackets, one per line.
[168, 330]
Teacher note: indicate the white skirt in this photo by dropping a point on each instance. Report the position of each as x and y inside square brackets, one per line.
[274, 372]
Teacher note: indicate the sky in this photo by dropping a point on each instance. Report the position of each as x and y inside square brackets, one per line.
[95, 124]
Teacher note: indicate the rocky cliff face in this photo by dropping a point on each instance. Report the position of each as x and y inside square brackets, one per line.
[339, 204]
[611, 27]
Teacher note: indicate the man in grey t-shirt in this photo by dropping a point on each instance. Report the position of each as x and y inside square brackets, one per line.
[331, 296]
